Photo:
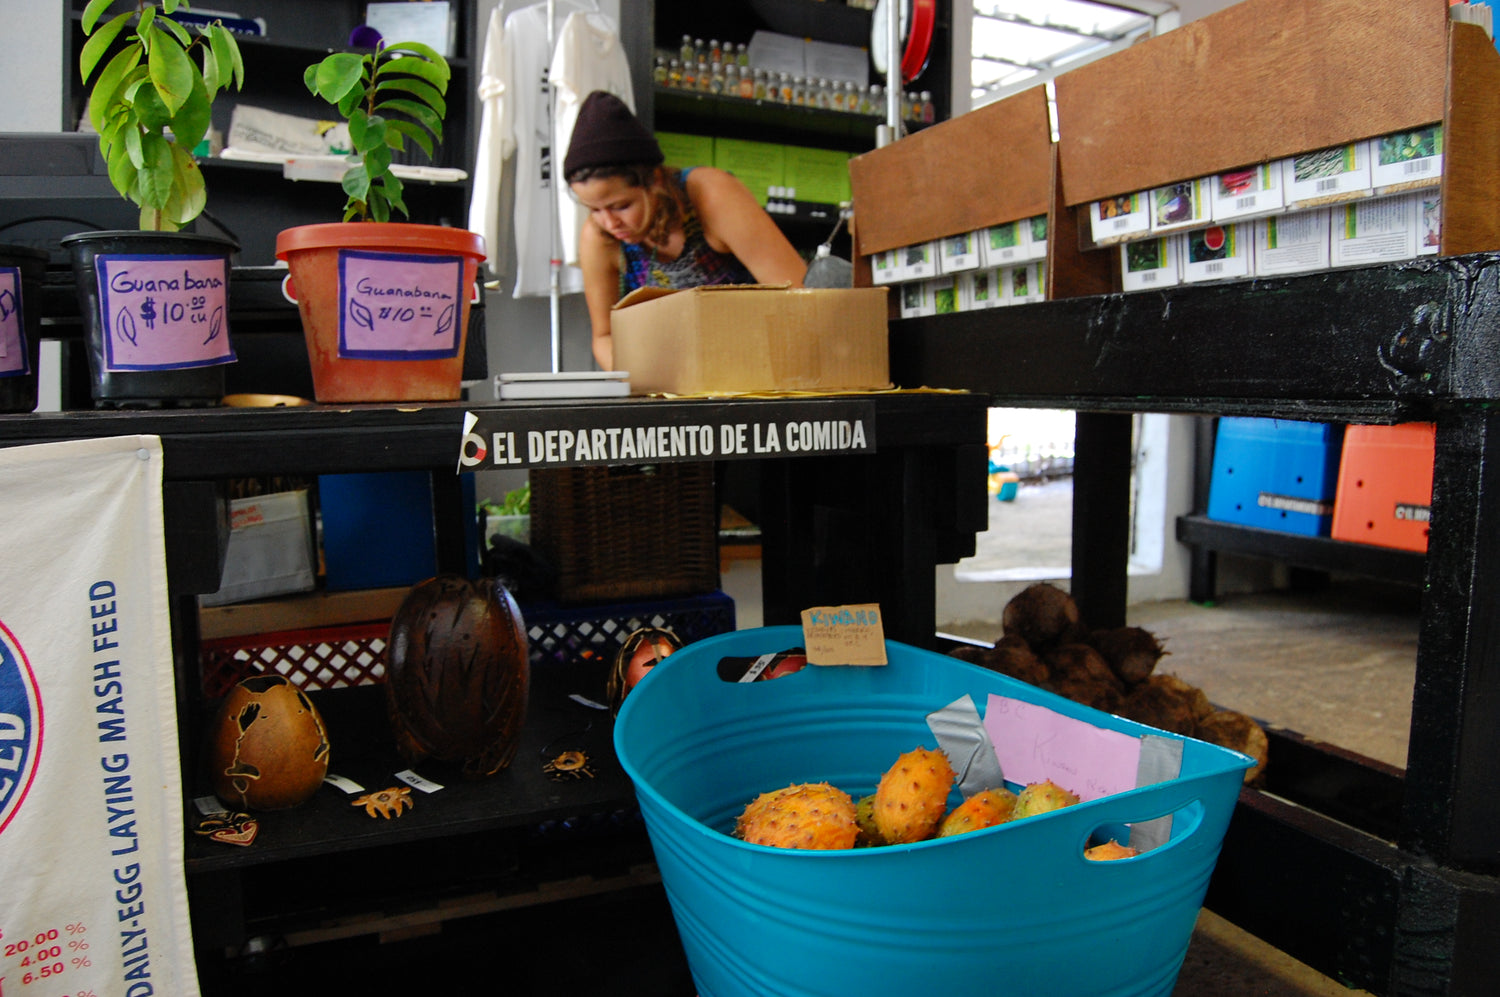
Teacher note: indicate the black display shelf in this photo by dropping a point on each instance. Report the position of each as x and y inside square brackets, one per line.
[763, 120]
[1403, 567]
[1384, 880]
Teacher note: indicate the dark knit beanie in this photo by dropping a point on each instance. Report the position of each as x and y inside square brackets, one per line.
[608, 134]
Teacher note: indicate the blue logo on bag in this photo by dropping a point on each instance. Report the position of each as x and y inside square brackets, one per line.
[20, 726]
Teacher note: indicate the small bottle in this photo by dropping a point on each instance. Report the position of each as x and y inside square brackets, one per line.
[705, 76]
[687, 53]
[875, 101]
[747, 85]
[742, 55]
[851, 98]
[820, 95]
[700, 51]
[929, 112]
[784, 88]
[836, 96]
[659, 71]
[799, 92]
[674, 73]
[762, 87]
[689, 76]
[716, 78]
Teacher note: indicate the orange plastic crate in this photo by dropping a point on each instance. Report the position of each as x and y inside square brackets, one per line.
[1384, 493]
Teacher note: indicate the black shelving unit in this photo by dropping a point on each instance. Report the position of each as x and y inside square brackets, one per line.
[1385, 880]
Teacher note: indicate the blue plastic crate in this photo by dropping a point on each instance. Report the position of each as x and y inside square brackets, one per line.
[1013, 910]
[1276, 474]
[377, 528]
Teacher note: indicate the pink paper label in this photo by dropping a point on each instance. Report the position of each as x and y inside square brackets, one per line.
[399, 306]
[12, 329]
[164, 312]
[1034, 743]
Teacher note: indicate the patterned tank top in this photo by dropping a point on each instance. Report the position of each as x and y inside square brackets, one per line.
[697, 265]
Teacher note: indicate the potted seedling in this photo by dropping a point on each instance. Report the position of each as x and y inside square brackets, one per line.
[154, 299]
[384, 304]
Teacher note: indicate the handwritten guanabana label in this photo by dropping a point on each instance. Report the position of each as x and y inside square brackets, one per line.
[164, 312]
[399, 306]
[12, 330]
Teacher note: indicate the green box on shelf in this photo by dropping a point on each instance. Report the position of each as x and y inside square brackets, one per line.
[759, 165]
[683, 150]
[818, 175]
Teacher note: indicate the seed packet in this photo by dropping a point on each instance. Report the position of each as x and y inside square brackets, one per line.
[979, 289]
[916, 299]
[1022, 284]
[1150, 263]
[1429, 223]
[959, 252]
[1292, 243]
[945, 295]
[1005, 244]
[1378, 230]
[885, 266]
[1339, 173]
[1217, 252]
[1037, 244]
[1115, 218]
[1407, 158]
[1255, 190]
[1180, 205]
[920, 262]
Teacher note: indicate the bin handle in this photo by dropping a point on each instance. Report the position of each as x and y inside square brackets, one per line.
[288, 291]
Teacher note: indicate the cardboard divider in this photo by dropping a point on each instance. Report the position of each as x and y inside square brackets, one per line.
[991, 165]
[1252, 83]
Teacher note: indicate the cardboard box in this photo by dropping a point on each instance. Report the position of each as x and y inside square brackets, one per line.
[270, 549]
[735, 338]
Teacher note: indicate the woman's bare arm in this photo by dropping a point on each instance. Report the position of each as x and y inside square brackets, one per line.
[734, 222]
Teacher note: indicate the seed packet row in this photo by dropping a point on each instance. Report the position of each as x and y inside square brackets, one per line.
[997, 246]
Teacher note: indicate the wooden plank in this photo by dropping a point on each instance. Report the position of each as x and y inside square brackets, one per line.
[988, 166]
[1471, 144]
[1073, 272]
[301, 612]
[1252, 83]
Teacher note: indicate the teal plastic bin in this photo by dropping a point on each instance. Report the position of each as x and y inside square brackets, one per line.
[1010, 910]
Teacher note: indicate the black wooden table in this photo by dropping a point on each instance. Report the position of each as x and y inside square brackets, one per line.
[1381, 879]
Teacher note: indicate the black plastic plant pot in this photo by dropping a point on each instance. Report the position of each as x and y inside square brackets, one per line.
[155, 315]
[22, 270]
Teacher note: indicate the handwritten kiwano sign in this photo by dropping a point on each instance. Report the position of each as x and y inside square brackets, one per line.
[399, 306]
[164, 312]
[20, 726]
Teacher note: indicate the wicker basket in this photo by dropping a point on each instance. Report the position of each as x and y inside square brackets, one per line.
[637, 532]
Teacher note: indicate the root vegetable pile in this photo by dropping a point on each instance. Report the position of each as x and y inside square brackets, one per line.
[1045, 643]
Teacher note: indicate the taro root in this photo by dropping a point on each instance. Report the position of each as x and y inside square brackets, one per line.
[1080, 673]
[972, 653]
[457, 674]
[1237, 732]
[1132, 652]
[1017, 661]
[1042, 615]
[1167, 702]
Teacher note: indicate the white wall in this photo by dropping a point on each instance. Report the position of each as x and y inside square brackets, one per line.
[31, 70]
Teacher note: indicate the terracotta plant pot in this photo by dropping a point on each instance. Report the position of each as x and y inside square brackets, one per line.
[21, 271]
[155, 308]
[384, 307]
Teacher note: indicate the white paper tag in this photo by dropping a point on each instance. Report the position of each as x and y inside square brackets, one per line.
[417, 782]
[340, 782]
[209, 806]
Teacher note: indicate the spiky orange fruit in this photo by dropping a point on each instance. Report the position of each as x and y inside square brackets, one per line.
[1041, 797]
[913, 796]
[983, 809]
[802, 815]
[1109, 851]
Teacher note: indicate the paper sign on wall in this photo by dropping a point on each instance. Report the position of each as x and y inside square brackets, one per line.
[164, 312]
[844, 635]
[1034, 743]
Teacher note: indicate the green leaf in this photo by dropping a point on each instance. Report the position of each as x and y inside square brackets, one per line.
[170, 6]
[418, 134]
[148, 14]
[412, 109]
[431, 66]
[189, 194]
[156, 175]
[353, 99]
[183, 35]
[192, 120]
[219, 45]
[132, 137]
[172, 72]
[377, 160]
[337, 75]
[94, 11]
[366, 132]
[391, 188]
[356, 182]
[98, 44]
[109, 83]
[122, 171]
[424, 92]
[154, 114]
